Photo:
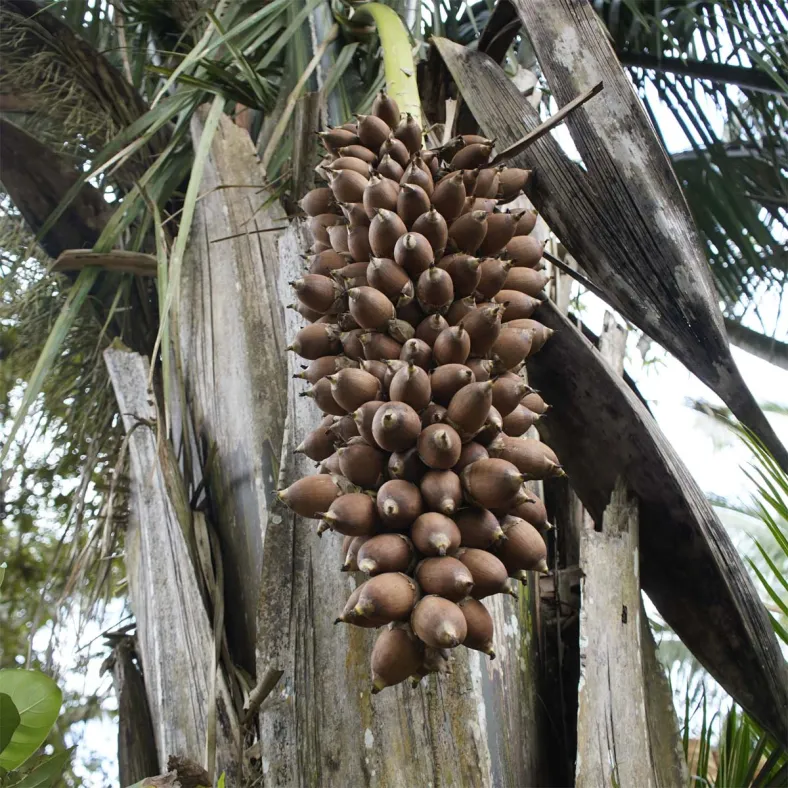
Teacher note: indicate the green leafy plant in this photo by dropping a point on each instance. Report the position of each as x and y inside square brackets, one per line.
[29, 706]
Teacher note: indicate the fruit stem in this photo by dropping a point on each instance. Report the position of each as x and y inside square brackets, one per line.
[397, 57]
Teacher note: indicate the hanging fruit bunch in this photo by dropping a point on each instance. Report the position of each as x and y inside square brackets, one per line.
[419, 294]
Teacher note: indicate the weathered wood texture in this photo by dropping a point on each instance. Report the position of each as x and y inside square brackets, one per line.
[174, 633]
[665, 745]
[229, 325]
[623, 217]
[689, 567]
[321, 726]
[612, 734]
[627, 727]
[137, 756]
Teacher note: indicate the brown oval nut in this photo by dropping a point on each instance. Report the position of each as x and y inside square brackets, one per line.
[434, 290]
[468, 231]
[479, 626]
[511, 348]
[471, 452]
[311, 495]
[500, 229]
[534, 459]
[469, 407]
[446, 577]
[479, 528]
[396, 427]
[435, 534]
[508, 389]
[453, 346]
[441, 491]
[407, 465]
[363, 417]
[416, 351]
[429, 328]
[413, 252]
[324, 399]
[381, 600]
[541, 333]
[492, 275]
[370, 308]
[525, 251]
[484, 327]
[460, 309]
[362, 464]
[477, 154]
[418, 174]
[351, 388]
[439, 446]
[386, 109]
[438, 622]
[352, 515]
[378, 346]
[319, 339]
[534, 402]
[409, 133]
[385, 275]
[396, 149]
[399, 503]
[385, 553]
[390, 169]
[372, 131]
[396, 655]
[448, 379]
[318, 201]
[519, 421]
[492, 483]
[379, 193]
[412, 202]
[488, 572]
[523, 549]
[516, 305]
[526, 280]
[412, 386]
[385, 229]
[448, 197]
[319, 443]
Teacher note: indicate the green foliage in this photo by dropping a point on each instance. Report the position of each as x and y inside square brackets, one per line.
[48, 772]
[9, 720]
[731, 751]
[37, 699]
[732, 172]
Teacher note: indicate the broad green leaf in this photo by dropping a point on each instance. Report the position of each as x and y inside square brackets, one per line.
[47, 773]
[37, 699]
[9, 720]
[220, 784]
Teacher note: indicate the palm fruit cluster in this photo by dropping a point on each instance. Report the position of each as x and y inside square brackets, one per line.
[419, 294]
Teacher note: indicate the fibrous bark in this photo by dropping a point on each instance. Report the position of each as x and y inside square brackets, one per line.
[174, 633]
[229, 326]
